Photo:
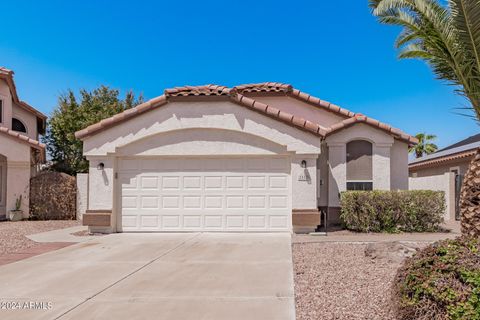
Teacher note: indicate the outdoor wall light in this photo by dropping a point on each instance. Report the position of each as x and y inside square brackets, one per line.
[304, 164]
[100, 166]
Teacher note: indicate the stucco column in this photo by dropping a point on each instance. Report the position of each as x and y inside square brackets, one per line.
[381, 166]
[100, 215]
[337, 178]
[18, 184]
[304, 182]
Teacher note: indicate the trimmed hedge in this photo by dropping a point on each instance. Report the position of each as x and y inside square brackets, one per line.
[441, 281]
[392, 211]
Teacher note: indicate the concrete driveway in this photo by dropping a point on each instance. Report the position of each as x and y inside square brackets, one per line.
[155, 276]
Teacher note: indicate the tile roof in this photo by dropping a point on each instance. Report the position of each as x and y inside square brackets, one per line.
[206, 90]
[7, 75]
[263, 87]
[235, 95]
[464, 142]
[360, 118]
[22, 138]
[459, 151]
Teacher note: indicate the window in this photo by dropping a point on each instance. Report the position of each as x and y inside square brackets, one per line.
[359, 165]
[18, 125]
[1, 110]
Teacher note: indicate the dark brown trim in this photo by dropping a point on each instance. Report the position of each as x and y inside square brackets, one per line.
[100, 211]
[97, 219]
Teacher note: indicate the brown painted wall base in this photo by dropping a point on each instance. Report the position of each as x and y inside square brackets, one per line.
[97, 218]
[305, 220]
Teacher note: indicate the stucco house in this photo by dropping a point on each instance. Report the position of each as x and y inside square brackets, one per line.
[20, 150]
[444, 170]
[255, 157]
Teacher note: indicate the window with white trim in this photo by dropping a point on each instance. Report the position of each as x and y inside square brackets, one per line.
[359, 165]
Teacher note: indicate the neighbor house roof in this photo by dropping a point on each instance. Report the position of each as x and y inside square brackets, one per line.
[7, 75]
[21, 138]
[237, 95]
[460, 150]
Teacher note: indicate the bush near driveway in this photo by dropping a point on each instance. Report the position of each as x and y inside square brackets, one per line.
[392, 211]
[53, 196]
[441, 281]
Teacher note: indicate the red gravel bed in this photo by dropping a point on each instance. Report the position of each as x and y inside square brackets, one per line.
[336, 281]
[12, 234]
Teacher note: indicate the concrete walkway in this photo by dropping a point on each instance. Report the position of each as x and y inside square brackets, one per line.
[156, 276]
[61, 235]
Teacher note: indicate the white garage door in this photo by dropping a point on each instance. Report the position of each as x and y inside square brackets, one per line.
[205, 194]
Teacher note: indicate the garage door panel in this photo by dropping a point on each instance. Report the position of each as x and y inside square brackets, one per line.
[195, 194]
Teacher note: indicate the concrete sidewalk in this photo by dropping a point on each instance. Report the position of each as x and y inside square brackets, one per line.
[61, 235]
[157, 276]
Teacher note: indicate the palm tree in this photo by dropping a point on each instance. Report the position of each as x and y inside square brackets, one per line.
[447, 37]
[424, 145]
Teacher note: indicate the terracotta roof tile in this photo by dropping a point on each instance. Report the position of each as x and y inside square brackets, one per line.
[235, 95]
[263, 87]
[320, 103]
[360, 118]
[18, 136]
[206, 90]
[274, 113]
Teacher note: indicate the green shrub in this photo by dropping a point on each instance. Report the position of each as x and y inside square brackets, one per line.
[392, 211]
[441, 281]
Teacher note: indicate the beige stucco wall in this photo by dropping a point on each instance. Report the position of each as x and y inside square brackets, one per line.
[18, 171]
[28, 119]
[302, 109]
[399, 166]
[188, 115]
[390, 160]
[443, 182]
[442, 168]
[6, 97]
[82, 194]
[201, 141]
[304, 182]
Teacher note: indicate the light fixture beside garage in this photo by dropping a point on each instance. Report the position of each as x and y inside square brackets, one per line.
[100, 166]
[304, 164]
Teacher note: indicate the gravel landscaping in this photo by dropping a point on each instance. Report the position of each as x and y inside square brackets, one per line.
[12, 234]
[344, 280]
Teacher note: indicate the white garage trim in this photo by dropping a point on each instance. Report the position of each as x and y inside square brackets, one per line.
[217, 193]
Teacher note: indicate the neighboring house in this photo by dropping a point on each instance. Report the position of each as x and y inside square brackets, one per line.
[20, 151]
[258, 157]
[444, 170]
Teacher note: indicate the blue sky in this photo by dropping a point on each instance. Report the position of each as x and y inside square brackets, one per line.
[334, 50]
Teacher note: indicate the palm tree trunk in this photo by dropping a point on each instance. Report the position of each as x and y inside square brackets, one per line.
[470, 199]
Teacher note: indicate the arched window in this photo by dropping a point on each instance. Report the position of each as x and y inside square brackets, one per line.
[359, 165]
[18, 125]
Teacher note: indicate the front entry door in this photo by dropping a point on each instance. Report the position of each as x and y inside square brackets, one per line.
[3, 188]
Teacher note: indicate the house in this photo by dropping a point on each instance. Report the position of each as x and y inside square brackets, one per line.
[20, 150]
[444, 170]
[255, 157]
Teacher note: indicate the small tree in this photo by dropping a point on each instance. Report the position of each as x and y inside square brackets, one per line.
[72, 115]
[424, 145]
